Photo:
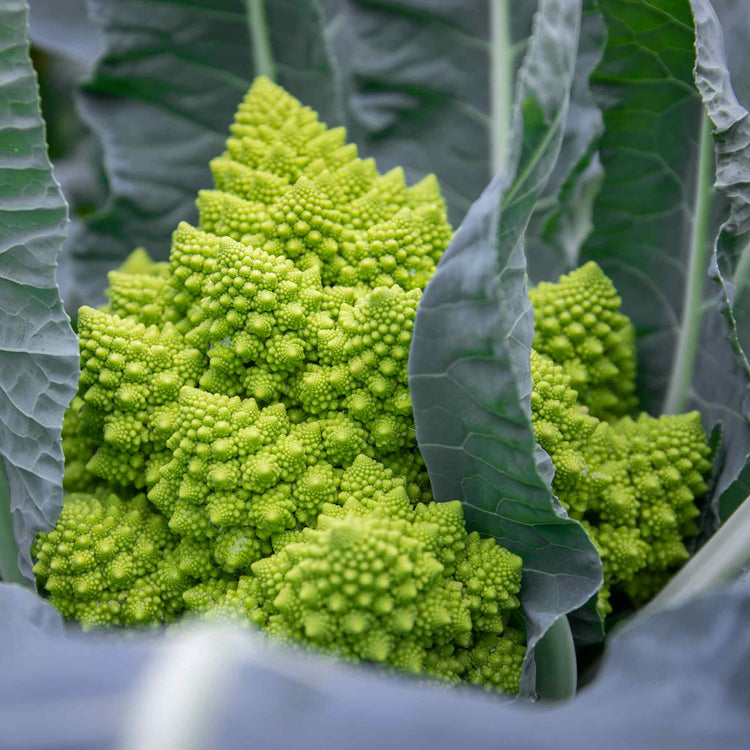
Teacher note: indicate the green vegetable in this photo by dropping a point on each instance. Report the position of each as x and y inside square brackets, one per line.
[255, 389]
[631, 482]
[111, 561]
[382, 580]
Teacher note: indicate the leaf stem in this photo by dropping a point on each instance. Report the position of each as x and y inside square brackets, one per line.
[501, 82]
[260, 41]
[9, 570]
[683, 366]
[556, 668]
[742, 273]
[719, 560]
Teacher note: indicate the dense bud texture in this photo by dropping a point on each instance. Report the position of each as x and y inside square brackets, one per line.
[632, 482]
[245, 431]
[111, 562]
[578, 325]
[299, 288]
[383, 580]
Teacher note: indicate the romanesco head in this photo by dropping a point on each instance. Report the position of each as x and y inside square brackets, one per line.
[379, 579]
[255, 387]
[632, 482]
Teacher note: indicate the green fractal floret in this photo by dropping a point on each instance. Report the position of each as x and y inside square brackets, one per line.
[300, 287]
[386, 581]
[632, 482]
[244, 426]
[578, 324]
[130, 377]
[111, 562]
[136, 287]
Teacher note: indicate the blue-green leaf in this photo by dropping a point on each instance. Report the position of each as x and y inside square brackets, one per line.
[658, 213]
[25, 615]
[562, 217]
[161, 100]
[64, 29]
[429, 85]
[9, 569]
[38, 350]
[730, 262]
[469, 365]
[735, 494]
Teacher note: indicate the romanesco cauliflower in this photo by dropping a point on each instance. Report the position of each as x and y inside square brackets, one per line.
[631, 482]
[243, 444]
[255, 390]
[381, 579]
[111, 562]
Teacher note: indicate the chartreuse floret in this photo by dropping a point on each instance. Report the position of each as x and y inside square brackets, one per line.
[383, 580]
[239, 474]
[136, 288]
[78, 449]
[632, 482]
[578, 324]
[301, 283]
[130, 377]
[255, 388]
[111, 562]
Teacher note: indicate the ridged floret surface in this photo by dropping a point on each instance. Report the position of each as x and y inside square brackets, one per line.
[243, 438]
[383, 580]
[111, 562]
[632, 482]
[579, 325]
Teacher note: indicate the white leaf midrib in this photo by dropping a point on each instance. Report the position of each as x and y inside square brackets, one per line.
[501, 82]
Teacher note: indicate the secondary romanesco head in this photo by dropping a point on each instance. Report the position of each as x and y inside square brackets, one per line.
[255, 390]
[632, 482]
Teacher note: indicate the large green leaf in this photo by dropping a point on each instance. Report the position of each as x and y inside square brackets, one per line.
[731, 137]
[9, 569]
[24, 614]
[674, 680]
[429, 84]
[38, 351]
[469, 368]
[64, 29]
[161, 100]
[657, 214]
[730, 263]
[65, 47]
[562, 217]
[735, 494]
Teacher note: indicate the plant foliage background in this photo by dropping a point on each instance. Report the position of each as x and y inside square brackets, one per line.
[607, 130]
